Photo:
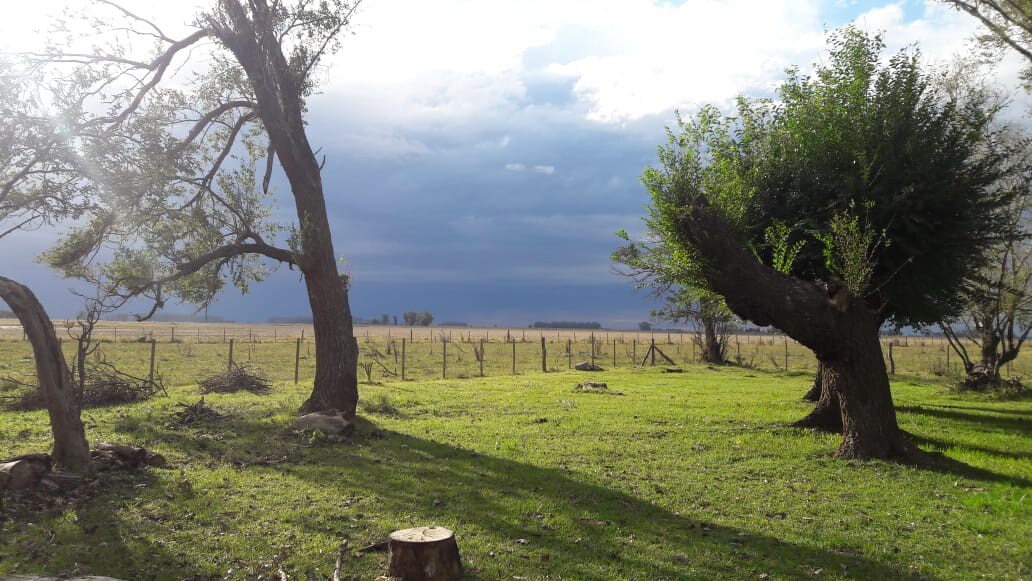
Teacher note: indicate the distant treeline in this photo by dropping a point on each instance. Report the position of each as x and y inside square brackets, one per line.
[299, 320]
[565, 325]
[7, 315]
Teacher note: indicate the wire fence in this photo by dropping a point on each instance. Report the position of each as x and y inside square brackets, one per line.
[287, 354]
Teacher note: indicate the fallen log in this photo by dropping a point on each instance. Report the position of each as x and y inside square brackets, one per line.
[24, 471]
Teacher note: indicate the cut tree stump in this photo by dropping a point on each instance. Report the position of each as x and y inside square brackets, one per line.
[423, 553]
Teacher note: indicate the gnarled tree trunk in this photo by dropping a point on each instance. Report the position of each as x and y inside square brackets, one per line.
[826, 415]
[71, 451]
[841, 330]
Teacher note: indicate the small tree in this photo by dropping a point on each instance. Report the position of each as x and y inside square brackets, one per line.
[888, 179]
[998, 314]
[185, 169]
[425, 319]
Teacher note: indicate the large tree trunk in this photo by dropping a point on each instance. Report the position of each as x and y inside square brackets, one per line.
[280, 100]
[71, 451]
[841, 330]
[826, 416]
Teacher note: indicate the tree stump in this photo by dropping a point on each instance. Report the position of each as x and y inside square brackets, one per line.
[424, 553]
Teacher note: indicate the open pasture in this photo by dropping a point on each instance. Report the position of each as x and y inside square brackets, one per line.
[688, 475]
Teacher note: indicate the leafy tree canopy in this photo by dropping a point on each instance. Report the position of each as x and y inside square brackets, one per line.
[869, 173]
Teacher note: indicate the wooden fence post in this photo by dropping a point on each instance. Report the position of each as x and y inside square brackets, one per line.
[483, 354]
[230, 366]
[569, 353]
[544, 362]
[297, 360]
[444, 358]
[652, 351]
[892, 362]
[634, 349]
[514, 357]
[153, 348]
[403, 357]
[614, 352]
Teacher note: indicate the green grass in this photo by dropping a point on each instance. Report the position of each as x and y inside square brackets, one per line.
[684, 476]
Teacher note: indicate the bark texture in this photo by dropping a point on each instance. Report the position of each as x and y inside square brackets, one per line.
[423, 553]
[71, 451]
[279, 95]
[841, 330]
[827, 414]
[711, 348]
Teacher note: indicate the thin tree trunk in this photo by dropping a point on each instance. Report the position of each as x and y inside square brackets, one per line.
[71, 451]
[281, 107]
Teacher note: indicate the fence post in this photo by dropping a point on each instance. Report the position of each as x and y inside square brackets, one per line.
[634, 351]
[652, 350]
[297, 360]
[514, 357]
[483, 354]
[230, 366]
[173, 339]
[444, 358]
[544, 364]
[592, 350]
[403, 357]
[153, 348]
[569, 353]
[614, 352]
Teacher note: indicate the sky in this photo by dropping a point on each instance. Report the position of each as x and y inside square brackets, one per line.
[480, 155]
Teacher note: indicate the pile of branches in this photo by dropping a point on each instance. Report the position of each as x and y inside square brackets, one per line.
[104, 385]
[108, 386]
[237, 378]
[195, 413]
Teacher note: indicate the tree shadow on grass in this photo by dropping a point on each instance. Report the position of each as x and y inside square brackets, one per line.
[928, 441]
[1012, 424]
[37, 537]
[517, 518]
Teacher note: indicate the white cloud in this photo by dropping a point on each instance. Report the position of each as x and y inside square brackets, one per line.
[545, 169]
[515, 167]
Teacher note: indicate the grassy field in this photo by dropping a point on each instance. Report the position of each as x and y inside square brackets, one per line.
[687, 475]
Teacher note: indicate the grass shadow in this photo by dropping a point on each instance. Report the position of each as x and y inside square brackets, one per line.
[1013, 424]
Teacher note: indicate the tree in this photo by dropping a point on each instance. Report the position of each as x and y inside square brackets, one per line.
[425, 319]
[887, 181]
[411, 318]
[37, 188]
[185, 172]
[1009, 25]
[651, 264]
[998, 314]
